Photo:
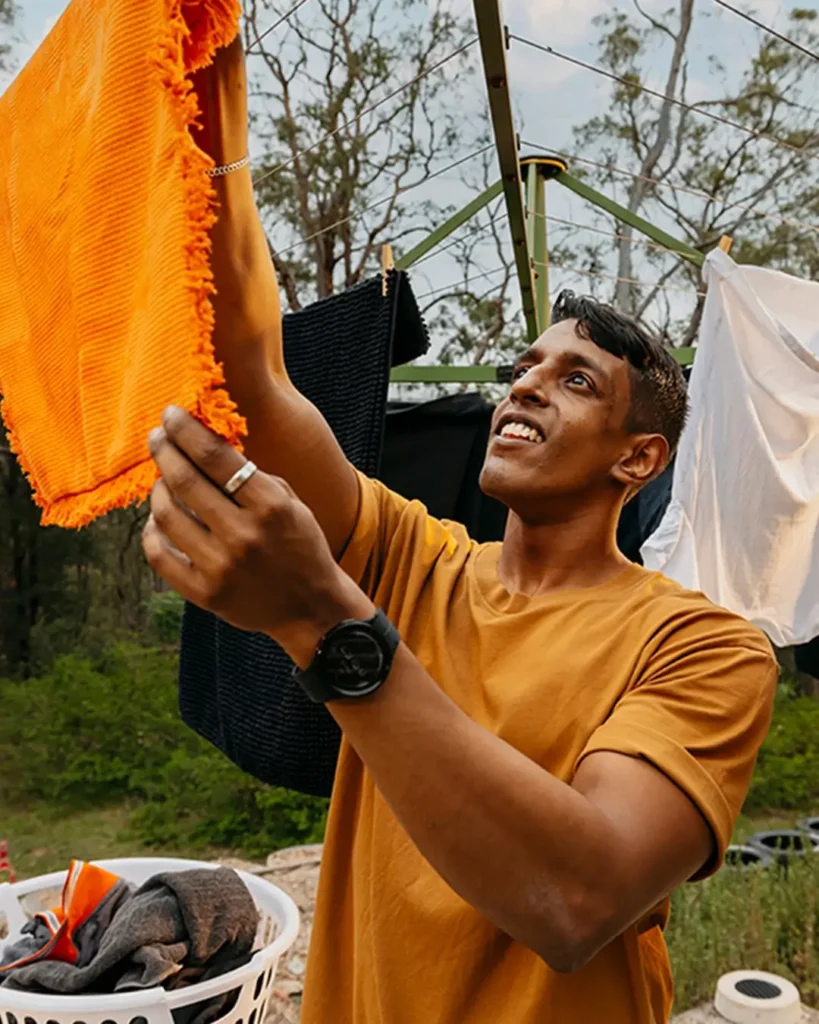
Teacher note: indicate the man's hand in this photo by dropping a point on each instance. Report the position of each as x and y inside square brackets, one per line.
[261, 561]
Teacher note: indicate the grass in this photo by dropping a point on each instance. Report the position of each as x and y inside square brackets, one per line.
[759, 919]
[762, 919]
[43, 838]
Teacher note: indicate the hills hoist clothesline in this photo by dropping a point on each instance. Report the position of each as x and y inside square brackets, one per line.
[523, 187]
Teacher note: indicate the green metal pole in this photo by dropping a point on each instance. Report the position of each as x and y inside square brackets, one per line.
[493, 51]
[540, 249]
[531, 184]
[410, 374]
[627, 217]
[444, 375]
[446, 229]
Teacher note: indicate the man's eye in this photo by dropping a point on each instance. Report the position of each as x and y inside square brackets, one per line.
[582, 379]
[519, 372]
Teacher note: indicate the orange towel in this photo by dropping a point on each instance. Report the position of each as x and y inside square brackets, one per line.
[105, 281]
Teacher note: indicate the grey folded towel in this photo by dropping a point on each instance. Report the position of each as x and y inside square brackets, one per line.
[202, 921]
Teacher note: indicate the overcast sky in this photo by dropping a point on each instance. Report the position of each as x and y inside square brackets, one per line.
[551, 96]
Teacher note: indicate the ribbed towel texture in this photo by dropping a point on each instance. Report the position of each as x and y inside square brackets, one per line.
[105, 281]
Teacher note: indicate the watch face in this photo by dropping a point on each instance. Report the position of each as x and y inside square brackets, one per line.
[355, 661]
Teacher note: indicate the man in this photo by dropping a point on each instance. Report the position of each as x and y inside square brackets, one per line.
[559, 739]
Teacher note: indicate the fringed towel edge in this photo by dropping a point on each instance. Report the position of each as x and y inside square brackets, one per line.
[196, 30]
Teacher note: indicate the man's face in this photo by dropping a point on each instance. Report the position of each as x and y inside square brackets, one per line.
[559, 433]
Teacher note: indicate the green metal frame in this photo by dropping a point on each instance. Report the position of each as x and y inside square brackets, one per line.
[445, 230]
[411, 374]
[493, 42]
[445, 375]
[627, 217]
[538, 241]
[535, 242]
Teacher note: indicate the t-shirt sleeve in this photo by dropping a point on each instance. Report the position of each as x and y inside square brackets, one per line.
[396, 544]
[699, 713]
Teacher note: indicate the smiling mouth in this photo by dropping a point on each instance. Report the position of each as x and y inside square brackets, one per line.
[520, 432]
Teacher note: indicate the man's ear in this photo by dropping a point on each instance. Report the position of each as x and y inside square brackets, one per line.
[645, 459]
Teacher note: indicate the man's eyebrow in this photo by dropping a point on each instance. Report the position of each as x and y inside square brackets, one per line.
[529, 356]
[575, 359]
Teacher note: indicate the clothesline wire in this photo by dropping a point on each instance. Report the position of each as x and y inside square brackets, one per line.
[385, 99]
[698, 193]
[461, 283]
[773, 139]
[555, 267]
[449, 245]
[386, 198]
[605, 234]
[769, 29]
[275, 25]
[614, 277]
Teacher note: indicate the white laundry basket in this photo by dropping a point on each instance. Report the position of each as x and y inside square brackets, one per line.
[279, 926]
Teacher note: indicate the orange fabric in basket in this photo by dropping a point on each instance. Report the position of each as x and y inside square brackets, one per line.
[105, 281]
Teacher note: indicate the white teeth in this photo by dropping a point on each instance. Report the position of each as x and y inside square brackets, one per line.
[520, 430]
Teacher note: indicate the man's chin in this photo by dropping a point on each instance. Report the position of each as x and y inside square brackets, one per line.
[501, 481]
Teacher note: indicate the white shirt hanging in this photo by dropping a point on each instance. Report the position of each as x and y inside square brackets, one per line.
[743, 523]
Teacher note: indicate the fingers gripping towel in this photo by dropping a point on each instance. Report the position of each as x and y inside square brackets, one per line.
[105, 281]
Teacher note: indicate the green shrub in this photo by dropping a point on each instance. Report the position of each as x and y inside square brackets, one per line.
[203, 799]
[165, 617]
[88, 729]
[787, 773]
[762, 919]
[108, 730]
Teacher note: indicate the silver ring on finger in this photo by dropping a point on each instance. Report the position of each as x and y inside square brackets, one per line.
[240, 478]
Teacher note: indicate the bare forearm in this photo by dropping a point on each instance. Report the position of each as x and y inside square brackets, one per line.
[246, 303]
[286, 436]
[523, 848]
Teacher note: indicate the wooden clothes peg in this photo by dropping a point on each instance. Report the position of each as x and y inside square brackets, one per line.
[387, 264]
[725, 243]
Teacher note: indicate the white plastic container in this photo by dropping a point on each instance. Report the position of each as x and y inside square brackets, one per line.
[756, 997]
[278, 929]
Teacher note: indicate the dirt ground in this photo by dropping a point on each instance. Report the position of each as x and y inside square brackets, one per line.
[295, 871]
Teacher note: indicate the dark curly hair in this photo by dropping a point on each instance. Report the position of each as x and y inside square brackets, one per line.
[659, 399]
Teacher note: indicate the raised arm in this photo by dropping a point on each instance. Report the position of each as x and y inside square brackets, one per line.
[287, 436]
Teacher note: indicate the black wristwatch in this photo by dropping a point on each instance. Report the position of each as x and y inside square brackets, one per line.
[352, 661]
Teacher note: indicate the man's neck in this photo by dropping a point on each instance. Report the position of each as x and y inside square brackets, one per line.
[578, 549]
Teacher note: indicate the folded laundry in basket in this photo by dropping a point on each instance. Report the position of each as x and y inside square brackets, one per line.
[178, 928]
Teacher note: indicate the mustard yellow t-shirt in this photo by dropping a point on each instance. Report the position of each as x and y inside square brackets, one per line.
[638, 665]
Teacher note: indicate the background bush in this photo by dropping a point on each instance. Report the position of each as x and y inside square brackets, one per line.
[107, 730]
[760, 919]
[787, 774]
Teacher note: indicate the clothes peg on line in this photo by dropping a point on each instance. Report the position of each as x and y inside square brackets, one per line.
[725, 243]
[387, 264]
